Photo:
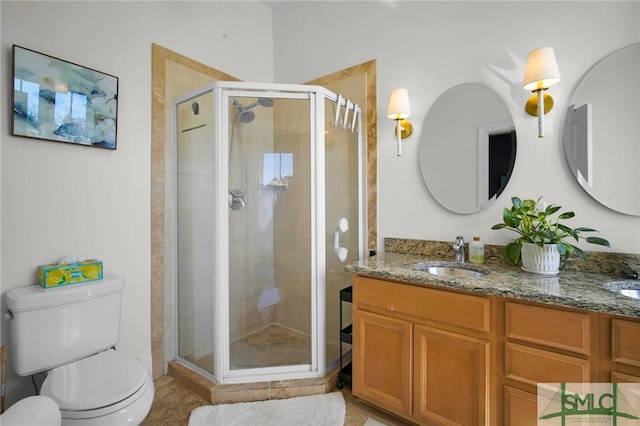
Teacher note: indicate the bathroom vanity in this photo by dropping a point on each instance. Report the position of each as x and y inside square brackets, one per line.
[447, 350]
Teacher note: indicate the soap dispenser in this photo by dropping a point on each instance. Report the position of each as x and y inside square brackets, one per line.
[476, 251]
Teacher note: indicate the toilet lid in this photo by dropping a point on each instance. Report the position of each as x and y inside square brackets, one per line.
[94, 382]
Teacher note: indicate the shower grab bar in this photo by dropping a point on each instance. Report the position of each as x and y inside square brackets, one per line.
[341, 252]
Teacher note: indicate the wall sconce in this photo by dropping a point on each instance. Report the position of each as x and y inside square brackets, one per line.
[541, 73]
[398, 110]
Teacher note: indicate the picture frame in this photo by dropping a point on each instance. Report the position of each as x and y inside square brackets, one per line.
[59, 101]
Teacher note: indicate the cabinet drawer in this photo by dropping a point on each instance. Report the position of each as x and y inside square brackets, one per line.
[462, 310]
[617, 377]
[550, 327]
[533, 366]
[625, 342]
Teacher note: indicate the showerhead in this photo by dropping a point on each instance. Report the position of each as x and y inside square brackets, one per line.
[265, 102]
[245, 116]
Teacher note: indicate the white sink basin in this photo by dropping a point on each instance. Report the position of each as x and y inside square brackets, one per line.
[629, 288]
[453, 270]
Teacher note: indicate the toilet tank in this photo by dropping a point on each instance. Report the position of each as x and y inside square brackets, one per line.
[56, 326]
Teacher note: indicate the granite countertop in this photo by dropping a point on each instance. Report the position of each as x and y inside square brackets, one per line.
[573, 289]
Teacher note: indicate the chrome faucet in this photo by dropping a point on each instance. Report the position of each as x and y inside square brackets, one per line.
[458, 246]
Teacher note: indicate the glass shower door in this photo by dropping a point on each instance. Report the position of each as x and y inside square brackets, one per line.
[270, 244]
[257, 205]
[342, 219]
[194, 230]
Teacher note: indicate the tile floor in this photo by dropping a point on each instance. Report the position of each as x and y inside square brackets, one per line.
[174, 402]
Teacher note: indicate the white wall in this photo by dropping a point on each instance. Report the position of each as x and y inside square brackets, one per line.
[59, 199]
[429, 47]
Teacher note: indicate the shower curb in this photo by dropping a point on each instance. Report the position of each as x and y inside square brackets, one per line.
[249, 392]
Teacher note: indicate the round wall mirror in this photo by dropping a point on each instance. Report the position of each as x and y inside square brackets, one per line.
[602, 131]
[467, 148]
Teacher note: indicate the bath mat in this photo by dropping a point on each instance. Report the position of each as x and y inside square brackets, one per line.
[315, 410]
[372, 422]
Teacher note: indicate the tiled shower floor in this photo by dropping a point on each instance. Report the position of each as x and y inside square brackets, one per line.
[271, 346]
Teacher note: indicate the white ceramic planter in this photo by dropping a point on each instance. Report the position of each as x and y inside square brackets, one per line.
[540, 260]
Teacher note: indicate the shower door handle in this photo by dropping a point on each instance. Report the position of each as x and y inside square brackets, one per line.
[341, 252]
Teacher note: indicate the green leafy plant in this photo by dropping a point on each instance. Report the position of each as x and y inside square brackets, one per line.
[533, 221]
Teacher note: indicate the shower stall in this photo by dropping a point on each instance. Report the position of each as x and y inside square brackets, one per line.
[268, 205]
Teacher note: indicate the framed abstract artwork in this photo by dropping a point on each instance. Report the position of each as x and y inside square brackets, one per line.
[60, 101]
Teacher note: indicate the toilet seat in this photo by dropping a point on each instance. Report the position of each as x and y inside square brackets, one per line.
[97, 385]
[130, 411]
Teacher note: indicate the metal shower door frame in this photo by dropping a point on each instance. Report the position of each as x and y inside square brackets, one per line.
[223, 92]
[317, 95]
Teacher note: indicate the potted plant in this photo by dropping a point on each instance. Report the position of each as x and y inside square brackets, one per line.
[543, 239]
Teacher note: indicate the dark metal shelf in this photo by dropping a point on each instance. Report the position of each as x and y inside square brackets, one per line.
[345, 374]
[346, 294]
[346, 332]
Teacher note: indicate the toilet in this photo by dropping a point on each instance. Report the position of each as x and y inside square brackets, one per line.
[70, 332]
[33, 410]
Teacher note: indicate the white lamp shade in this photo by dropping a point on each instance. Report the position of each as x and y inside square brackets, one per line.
[541, 67]
[399, 107]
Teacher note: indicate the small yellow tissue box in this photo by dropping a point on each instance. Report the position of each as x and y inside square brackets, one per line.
[60, 274]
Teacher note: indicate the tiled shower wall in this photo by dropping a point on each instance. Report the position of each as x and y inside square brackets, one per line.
[251, 230]
[293, 223]
[292, 246]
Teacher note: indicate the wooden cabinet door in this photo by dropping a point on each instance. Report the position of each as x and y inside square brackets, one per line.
[620, 349]
[451, 378]
[520, 407]
[382, 361]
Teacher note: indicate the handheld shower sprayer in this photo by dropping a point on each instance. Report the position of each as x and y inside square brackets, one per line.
[244, 116]
[237, 201]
